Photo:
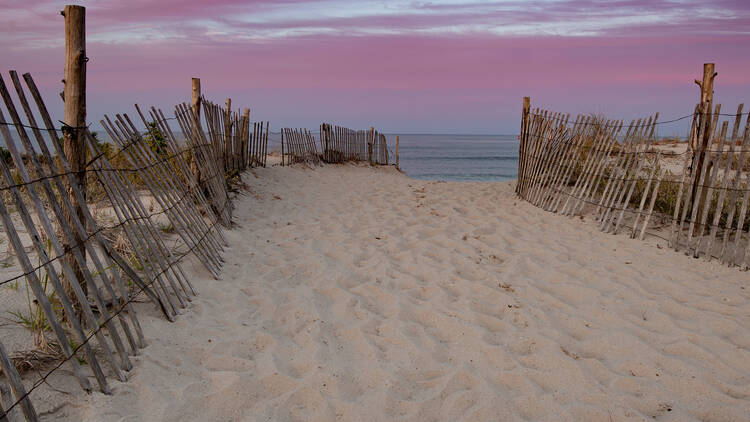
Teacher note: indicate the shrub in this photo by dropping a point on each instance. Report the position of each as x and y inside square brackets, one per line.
[5, 155]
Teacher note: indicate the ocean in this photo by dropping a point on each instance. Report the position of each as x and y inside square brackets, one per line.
[458, 157]
[441, 157]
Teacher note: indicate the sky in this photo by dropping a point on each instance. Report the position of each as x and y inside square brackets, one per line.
[456, 66]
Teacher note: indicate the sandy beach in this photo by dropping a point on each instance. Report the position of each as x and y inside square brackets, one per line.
[358, 294]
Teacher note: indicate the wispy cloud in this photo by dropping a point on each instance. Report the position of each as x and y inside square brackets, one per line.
[416, 63]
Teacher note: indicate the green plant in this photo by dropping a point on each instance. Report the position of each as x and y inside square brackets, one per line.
[4, 155]
[166, 228]
[97, 273]
[156, 140]
[107, 149]
[136, 263]
[36, 320]
[74, 346]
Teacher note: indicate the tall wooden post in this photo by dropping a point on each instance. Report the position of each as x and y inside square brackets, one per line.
[707, 96]
[227, 134]
[326, 132]
[369, 144]
[74, 141]
[265, 143]
[397, 152]
[703, 140]
[195, 104]
[522, 143]
[282, 147]
[245, 136]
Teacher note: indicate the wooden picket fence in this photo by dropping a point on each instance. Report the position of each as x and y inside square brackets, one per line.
[341, 144]
[617, 173]
[230, 135]
[94, 282]
[378, 148]
[338, 145]
[300, 146]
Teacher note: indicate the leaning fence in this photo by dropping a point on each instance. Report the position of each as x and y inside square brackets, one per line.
[695, 198]
[88, 250]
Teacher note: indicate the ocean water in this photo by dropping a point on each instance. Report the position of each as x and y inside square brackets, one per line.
[439, 157]
[458, 157]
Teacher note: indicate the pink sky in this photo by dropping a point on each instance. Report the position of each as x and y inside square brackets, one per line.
[436, 67]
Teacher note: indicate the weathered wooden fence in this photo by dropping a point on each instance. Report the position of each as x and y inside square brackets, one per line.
[341, 144]
[377, 148]
[238, 147]
[620, 174]
[338, 145]
[299, 145]
[89, 311]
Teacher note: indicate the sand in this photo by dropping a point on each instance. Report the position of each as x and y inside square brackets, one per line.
[358, 294]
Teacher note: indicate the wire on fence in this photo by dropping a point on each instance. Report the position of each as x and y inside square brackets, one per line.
[564, 166]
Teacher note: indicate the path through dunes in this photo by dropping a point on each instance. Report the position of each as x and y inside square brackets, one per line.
[352, 293]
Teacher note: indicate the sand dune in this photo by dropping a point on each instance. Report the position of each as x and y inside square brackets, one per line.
[358, 294]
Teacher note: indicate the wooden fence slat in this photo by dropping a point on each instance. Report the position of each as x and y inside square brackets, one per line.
[725, 184]
[36, 285]
[551, 154]
[614, 168]
[622, 198]
[16, 384]
[111, 256]
[55, 243]
[122, 196]
[552, 170]
[654, 195]
[619, 190]
[570, 163]
[64, 220]
[589, 194]
[594, 150]
[689, 157]
[79, 225]
[634, 182]
[715, 164]
[538, 157]
[161, 253]
[701, 180]
[556, 179]
[644, 196]
[591, 185]
[734, 196]
[216, 238]
[180, 210]
[583, 135]
[164, 184]
[688, 204]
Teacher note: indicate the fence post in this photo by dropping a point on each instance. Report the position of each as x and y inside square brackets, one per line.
[245, 137]
[228, 135]
[385, 149]
[522, 143]
[703, 140]
[195, 104]
[397, 153]
[265, 143]
[282, 147]
[74, 143]
[196, 99]
[369, 144]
